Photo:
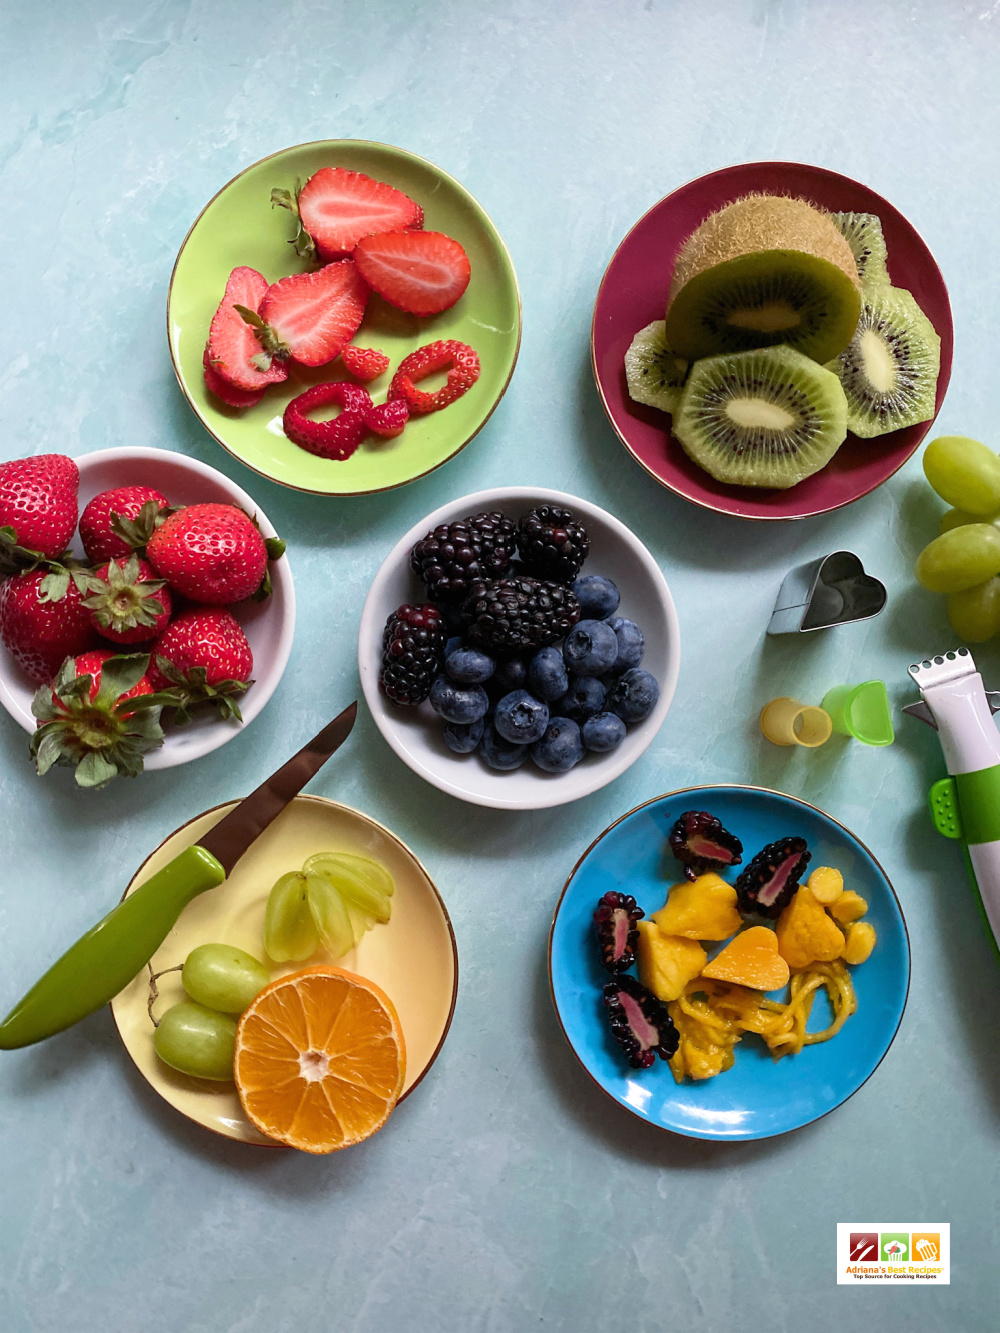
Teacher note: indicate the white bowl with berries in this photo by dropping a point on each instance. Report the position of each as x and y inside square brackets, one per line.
[519, 648]
[126, 554]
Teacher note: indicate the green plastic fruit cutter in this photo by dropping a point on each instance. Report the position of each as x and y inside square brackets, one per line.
[861, 711]
[966, 804]
[833, 590]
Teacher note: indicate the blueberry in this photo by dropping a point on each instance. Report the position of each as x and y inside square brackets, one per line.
[468, 665]
[584, 697]
[633, 696]
[458, 703]
[598, 596]
[547, 678]
[521, 718]
[603, 732]
[453, 643]
[500, 753]
[631, 644]
[560, 747]
[511, 674]
[463, 737]
[591, 647]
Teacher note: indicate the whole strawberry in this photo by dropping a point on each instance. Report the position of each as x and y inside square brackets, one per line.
[38, 507]
[212, 553]
[43, 621]
[127, 602]
[117, 522]
[203, 657]
[99, 716]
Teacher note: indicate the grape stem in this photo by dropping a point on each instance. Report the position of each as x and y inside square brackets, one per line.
[154, 990]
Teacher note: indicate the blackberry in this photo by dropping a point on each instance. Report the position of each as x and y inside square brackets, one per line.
[510, 615]
[552, 544]
[700, 843]
[453, 555]
[769, 881]
[615, 920]
[640, 1023]
[412, 653]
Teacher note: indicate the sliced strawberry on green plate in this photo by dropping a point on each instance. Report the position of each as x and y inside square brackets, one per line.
[233, 351]
[226, 392]
[336, 207]
[310, 317]
[423, 272]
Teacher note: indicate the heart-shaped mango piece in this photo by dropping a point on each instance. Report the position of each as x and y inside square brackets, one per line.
[751, 959]
[806, 933]
[700, 909]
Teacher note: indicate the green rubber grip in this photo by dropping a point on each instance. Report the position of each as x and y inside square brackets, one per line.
[979, 802]
[101, 963]
[943, 797]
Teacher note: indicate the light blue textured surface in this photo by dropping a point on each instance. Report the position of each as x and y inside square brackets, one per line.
[506, 1194]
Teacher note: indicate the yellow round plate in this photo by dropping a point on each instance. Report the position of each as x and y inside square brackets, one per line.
[413, 956]
[239, 226]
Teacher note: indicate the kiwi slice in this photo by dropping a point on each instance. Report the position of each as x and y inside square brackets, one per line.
[768, 417]
[889, 369]
[655, 375]
[764, 270]
[863, 233]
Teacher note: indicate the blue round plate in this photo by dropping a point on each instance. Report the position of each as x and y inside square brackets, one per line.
[758, 1097]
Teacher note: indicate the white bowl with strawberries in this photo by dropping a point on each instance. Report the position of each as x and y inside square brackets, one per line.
[146, 609]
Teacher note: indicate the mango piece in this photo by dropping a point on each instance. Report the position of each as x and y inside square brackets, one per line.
[805, 933]
[849, 906]
[859, 942]
[667, 962]
[751, 959]
[701, 909]
[826, 885]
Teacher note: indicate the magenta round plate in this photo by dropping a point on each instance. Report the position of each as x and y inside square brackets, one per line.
[633, 293]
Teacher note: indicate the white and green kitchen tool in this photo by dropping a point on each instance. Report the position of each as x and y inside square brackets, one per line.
[965, 805]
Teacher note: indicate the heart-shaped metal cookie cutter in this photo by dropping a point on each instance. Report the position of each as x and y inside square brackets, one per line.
[834, 590]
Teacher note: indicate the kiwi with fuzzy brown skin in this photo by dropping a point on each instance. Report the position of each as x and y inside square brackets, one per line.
[863, 233]
[655, 375]
[767, 417]
[890, 367]
[764, 270]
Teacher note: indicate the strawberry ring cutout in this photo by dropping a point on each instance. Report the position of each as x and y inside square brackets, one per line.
[337, 439]
[459, 359]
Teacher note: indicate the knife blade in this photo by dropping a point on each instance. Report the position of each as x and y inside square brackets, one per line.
[104, 960]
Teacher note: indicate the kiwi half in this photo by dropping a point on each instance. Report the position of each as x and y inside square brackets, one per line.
[890, 367]
[863, 233]
[769, 417]
[764, 270]
[655, 375]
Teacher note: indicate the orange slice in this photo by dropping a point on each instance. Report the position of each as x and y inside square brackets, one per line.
[320, 1059]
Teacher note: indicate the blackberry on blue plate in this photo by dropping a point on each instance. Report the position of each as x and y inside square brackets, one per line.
[552, 543]
[453, 555]
[515, 614]
[412, 653]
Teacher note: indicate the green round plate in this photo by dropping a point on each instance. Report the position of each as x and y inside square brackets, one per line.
[239, 226]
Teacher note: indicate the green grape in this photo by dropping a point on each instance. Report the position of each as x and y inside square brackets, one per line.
[975, 612]
[965, 473]
[197, 1041]
[290, 934]
[360, 921]
[958, 518]
[330, 915]
[960, 558]
[222, 977]
[366, 884]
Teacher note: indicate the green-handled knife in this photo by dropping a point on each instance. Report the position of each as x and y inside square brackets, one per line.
[100, 964]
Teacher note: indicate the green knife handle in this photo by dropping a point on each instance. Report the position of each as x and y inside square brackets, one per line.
[100, 964]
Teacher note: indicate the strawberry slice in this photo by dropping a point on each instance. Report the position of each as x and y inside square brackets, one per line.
[310, 316]
[233, 352]
[423, 272]
[336, 207]
[226, 392]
